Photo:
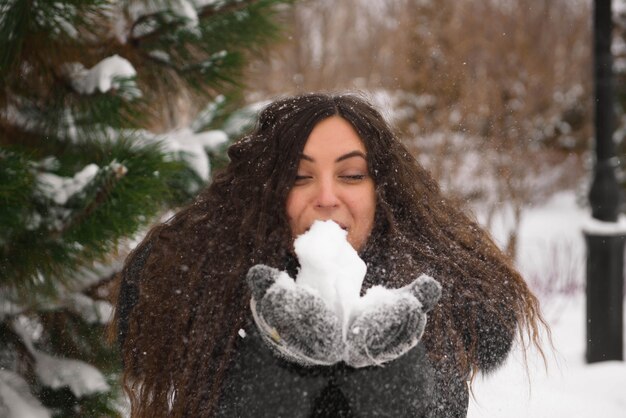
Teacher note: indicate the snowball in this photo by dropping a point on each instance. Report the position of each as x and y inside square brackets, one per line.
[330, 266]
[377, 296]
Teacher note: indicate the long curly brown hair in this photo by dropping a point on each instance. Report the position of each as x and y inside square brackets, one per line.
[190, 297]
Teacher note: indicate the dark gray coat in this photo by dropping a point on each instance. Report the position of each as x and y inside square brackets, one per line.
[259, 384]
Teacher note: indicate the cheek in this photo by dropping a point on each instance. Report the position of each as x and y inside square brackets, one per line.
[367, 219]
[369, 211]
[363, 208]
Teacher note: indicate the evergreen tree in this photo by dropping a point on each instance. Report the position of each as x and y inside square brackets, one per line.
[94, 144]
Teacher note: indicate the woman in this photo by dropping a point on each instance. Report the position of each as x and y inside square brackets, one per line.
[189, 344]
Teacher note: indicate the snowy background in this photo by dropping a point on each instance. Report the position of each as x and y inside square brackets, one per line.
[515, 128]
[551, 242]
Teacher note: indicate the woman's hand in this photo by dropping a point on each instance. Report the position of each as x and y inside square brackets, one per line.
[393, 325]
[302, 328]
[294, 319]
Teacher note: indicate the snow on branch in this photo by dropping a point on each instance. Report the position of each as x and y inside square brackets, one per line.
[57, 372]
[8, 307]
[91, 185]
[95, 273]
[110, 73]
[16, 400]
[92, 311]
[193, 147]
[60, 189]
[208, 114]
[142, 19]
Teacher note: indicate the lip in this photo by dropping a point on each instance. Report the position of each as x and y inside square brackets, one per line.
[341, 224]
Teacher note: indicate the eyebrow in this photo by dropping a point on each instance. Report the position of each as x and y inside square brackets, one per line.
[351, 154]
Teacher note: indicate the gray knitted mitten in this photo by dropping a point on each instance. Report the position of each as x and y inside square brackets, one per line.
[302, 328]
[294, 320]
[390, 322]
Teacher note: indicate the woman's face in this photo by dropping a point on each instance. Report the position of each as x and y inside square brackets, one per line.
[333, 183]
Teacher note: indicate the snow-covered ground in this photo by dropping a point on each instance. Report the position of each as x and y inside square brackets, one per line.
[552, 249]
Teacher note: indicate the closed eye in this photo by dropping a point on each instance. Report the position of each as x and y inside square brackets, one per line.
[301, 179]
[353, 178]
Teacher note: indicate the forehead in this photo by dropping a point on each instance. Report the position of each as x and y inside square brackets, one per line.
[333, 135]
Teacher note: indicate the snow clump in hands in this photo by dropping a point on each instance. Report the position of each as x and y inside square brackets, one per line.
[331, 267]
[320, 319]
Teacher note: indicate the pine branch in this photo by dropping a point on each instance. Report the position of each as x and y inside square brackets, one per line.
[205, 13]
[118, 171]
[12, 342]
[65, 204]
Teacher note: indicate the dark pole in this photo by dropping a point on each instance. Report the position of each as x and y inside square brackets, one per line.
[605, 251]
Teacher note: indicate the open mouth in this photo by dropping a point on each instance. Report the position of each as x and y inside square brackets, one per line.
[341, 225]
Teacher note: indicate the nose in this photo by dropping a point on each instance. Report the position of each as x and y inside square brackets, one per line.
[326, 195]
